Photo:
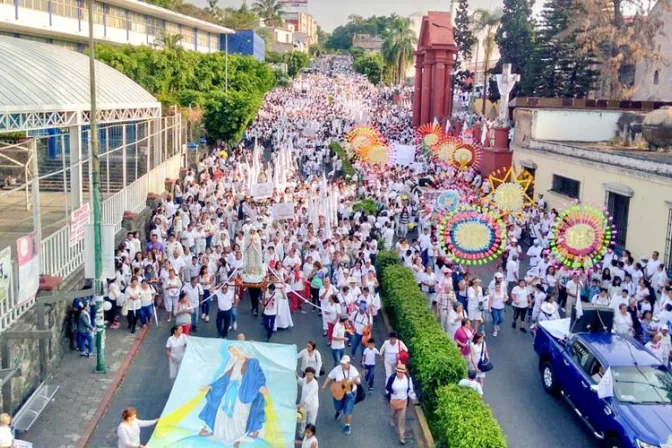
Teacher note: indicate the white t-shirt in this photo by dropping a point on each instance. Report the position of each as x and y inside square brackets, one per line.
[369, 356]
[271, 308]
[339, 373]
[473, 384]
[511, 271]
[224, 300]
[6, 437]
[177, 346]
[338, 332]
[520, 297]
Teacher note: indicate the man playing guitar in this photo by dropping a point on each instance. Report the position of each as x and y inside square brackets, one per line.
[345, 379]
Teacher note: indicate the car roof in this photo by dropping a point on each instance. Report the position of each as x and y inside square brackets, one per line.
[616, 350]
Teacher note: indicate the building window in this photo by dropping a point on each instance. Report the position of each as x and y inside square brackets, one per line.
[619, 209]
[566, 186]
[202, 41]
[98, 13]
[214, 43]
[116, 18]
[138, 23]
[656, 77]
[38, 5]
[155, 27]
[668, 242]
[65, 8]
[172, 29]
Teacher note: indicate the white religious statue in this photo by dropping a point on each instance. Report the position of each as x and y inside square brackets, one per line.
[254, 269]
[505, 83]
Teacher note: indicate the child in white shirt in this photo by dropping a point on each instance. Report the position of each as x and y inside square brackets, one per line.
[369, 362]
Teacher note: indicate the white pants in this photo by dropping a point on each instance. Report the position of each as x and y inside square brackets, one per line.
[389, 369]
[170, 302]
[311, 417]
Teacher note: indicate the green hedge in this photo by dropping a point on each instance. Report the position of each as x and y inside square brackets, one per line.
[464, 421]
[348, 170]
[435, 362]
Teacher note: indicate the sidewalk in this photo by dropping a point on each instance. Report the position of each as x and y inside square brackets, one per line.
[66, 418]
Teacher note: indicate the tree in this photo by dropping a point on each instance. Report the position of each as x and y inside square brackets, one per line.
[561, 70]
[341, 37]
[296, 61]
[271, 11]
[515, 38]
[399, 45]
[372, 66]
[227, 114]
[168, 40]
[616, 43]
[488, 21]
[463, 30]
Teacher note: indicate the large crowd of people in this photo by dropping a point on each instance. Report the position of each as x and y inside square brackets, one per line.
[210, 229]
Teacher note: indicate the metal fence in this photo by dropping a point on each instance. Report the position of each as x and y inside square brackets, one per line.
[57, 257]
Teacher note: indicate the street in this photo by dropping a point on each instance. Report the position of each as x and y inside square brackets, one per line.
[147, 386]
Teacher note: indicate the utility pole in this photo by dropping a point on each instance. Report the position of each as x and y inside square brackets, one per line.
[226, 62]
[96, 202]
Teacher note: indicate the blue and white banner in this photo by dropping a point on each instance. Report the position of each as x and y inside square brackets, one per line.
[231, 393]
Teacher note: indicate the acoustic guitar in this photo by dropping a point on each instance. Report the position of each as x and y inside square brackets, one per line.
[340, 388]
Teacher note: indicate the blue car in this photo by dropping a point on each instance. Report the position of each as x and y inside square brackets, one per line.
[638, 415]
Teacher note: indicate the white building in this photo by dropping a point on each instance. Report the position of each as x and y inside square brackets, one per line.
[65, 23]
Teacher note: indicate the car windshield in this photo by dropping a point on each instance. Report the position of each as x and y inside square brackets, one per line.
[642, 385]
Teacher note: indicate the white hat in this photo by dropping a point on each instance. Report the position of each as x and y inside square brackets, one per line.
[548, 307]
[345, 359]
[499, 275]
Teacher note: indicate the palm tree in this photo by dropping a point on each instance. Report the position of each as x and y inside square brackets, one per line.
[399, 43]
[270, 11]
[487, 20]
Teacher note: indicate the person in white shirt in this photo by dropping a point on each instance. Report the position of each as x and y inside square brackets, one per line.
[270, 310]
[512, 273]
[309, 397]
[534, 253]
[194, 293]
[574, 287]
[390, 353]
[652, 265]
[310, 357]
[471, 382]
[226, 301]
[128, 431]
[175, 348]
[520, 296]
[344, 372]
[400, 390]
[6, 436]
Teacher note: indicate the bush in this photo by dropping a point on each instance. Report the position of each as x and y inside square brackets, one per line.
[368, 206]
[463, 421]
[457, 417]
[348, 170]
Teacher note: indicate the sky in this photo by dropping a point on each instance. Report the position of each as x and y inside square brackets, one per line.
[332, 13]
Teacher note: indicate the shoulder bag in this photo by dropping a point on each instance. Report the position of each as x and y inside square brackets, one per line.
[484, 364]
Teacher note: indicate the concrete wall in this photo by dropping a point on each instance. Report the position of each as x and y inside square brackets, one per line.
[650, 182]
[570, 125]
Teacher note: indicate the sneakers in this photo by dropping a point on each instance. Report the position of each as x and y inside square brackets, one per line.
[494, 333]
[523, 330]
[235, 326]
[203, 316]
[207, 318]
[337, 415]
[347, 430]
[513, 325]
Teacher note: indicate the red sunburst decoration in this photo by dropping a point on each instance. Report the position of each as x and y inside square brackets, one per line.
[429, 134]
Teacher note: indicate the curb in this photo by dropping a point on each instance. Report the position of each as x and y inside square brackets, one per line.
[114, 386]
[427, 439]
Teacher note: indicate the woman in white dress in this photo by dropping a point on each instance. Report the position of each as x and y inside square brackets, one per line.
[171, 292]
[455, 317]
[623, 321]
[474, 303]
[175, 348]
[310, 357]
[284, 319]
[327, 290]
[477, 351]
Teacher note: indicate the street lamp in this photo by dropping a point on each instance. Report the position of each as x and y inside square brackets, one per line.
[96, 202]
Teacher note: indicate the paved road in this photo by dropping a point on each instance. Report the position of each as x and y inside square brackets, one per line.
[147, 387]
[529, 416]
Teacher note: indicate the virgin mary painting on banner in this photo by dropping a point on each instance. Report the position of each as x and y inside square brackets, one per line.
[231, 394]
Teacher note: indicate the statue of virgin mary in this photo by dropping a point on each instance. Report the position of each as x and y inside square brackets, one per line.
[254, 270]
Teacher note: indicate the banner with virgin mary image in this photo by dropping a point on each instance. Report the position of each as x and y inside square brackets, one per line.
[235, 394]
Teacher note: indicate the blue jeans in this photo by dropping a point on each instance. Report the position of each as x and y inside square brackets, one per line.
[370, 375]
[194, 319]
[223, 322]
[269, 323]
[497, 316]
[84, 339]
[424, 255]
[337, 354]
[205, 306]
[145, 314]
[356, 344]
[346, 405]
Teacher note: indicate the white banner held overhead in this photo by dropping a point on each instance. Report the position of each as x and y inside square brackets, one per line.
[283, 210]
[5, 274]
[107, 242]
[262, 191]
[405, 154]
[29, 267]
[78, 220]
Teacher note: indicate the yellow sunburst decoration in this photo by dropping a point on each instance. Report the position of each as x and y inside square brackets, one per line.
[444, 149]
[376, 155]
[509, 191]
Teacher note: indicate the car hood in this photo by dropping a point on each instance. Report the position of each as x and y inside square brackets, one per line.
[652, 423]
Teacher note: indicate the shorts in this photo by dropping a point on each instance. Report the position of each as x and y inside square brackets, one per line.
[346, 405]
[519, 313]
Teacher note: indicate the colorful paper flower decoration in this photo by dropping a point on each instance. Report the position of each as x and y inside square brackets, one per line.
[466, 156]
[361, 138]
[444, 149]
[472, 235]
[378, 154]
[429, 134]
[581, 235]
[509, 191]
[447, 201]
